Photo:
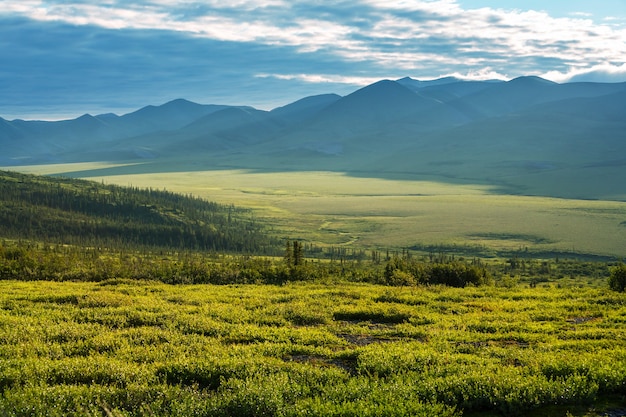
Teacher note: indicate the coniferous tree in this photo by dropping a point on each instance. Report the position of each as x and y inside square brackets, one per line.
[289, 254]
[297, 253]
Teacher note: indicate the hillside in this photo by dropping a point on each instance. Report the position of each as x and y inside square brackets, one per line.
[69, 211]
[526, 136]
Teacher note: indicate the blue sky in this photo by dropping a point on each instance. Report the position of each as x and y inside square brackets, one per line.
[61, 59]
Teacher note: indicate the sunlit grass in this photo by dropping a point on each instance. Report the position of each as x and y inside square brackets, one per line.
[136, 348]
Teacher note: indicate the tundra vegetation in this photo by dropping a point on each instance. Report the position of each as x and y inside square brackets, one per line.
[284, 328]
[133, 347]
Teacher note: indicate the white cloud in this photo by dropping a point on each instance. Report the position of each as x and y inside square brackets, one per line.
[444, 7]
[323, 78]
[480, 75]
[405, 35]
[599, 73]
[221, 4]
[581, 14]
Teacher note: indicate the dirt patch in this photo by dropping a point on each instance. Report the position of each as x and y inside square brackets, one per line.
[365, 339]
[581, 320]
[373, 317]
[347, 364]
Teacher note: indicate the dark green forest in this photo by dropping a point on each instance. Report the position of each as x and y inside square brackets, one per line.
[85, 213]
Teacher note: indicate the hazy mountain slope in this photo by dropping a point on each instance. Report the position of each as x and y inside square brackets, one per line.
[303, 109]
[45, 142]
[9, 133]
[8, 130]
[417, 85]
[447, 89]
[523, 92]
[220, 131]
[53, 141]
[363, 122]
[527, 135]
[552, 148]
[227, 129]
[11, 143]
[169, 116]
[375, 104]
[60, 132]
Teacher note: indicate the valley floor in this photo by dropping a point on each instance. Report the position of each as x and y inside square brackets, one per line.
[328, 208]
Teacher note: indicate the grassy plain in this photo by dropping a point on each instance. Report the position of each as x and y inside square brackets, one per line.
[332, 348]
[124, 347]
[330, 208]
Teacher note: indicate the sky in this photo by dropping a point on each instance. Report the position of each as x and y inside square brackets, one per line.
[60, 59]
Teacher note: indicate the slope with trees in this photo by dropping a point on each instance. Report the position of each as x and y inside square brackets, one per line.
[69, 211]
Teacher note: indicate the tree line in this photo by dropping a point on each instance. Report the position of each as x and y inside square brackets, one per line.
[86, 213]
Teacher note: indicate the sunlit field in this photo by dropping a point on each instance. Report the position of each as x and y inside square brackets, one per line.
[336, 209]
[123, 347]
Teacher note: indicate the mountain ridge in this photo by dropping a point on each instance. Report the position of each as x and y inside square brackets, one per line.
[519, 134]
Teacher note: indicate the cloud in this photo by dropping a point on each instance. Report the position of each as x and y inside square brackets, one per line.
[56, 69]
[323, 78]
[582, 14]
[407, 25]
[105, 52]
[607, 73]
[481, 75]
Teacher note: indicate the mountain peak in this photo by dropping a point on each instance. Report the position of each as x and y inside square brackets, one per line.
[379, 95]
[531, 79]
[417, 84]
[84, 121]
[370, 105]
[179, 102]
[383, 87]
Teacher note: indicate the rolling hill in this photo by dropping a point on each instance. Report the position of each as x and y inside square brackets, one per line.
[85, 213]
[526, 136]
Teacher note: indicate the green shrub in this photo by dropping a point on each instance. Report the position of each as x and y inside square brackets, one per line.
[617, 279]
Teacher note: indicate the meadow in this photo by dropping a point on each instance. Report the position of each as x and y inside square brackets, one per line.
[130, 347]
[535, 334]
[328, 208]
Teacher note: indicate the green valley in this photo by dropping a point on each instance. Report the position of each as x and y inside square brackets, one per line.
[328, 208]
[395, 298]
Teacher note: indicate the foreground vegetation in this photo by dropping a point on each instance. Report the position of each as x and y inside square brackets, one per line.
[126, 347]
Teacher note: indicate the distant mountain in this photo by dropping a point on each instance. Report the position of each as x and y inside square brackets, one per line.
[448, 88]
[227, 129]
[304, 109]
[522, 92]
[169, 116]
[40, 142]
[526, 136]
[568, 148]
[418, 85]
[374, 119]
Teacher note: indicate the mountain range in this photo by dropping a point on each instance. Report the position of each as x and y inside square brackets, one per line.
[525, 136]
